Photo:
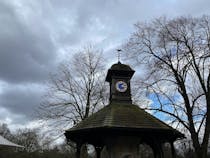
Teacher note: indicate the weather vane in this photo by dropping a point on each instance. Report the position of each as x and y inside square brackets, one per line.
[118, 54]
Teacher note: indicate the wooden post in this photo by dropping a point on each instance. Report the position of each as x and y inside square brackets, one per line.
[161, 150]
[155, 148]
[98, 151]
[78, 150]
[158, 150]
[173, 152]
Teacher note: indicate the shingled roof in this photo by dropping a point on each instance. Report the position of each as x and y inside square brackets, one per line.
[122, 116]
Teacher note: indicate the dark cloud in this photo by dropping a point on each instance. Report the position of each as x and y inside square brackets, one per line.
[26, 55]
[22, 99]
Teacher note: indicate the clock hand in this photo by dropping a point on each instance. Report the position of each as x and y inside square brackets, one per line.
[121, 86]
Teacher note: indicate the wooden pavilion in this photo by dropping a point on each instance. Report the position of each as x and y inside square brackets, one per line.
[121, 126]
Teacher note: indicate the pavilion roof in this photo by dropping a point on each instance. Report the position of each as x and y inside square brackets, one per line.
[123, 116]
[5, 142]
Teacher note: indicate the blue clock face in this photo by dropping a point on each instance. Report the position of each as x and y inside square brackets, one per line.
[121, 86]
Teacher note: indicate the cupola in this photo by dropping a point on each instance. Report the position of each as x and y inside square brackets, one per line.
[119, 76]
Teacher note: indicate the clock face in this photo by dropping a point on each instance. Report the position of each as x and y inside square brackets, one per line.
[121, 86]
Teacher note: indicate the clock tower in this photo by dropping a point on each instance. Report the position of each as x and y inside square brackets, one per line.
[119, 76]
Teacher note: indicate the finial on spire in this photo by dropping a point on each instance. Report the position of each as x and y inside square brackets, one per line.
[118, 54]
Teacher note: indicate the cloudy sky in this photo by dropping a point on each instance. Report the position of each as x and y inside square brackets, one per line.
[35, 35]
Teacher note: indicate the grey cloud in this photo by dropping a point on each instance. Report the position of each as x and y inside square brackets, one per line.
[24, 55]
[22, 99]
[12, 118]
[193, 7]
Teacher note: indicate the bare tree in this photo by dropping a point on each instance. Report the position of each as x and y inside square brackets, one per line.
[5, 131]
[76, 90]
[28, 138]
[175, 59]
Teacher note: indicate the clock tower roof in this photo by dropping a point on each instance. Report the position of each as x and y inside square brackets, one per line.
[119, 69]
[120, 66]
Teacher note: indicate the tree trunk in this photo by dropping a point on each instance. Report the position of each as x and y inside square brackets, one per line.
[87, 108]
[201, 153]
